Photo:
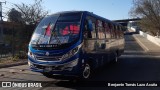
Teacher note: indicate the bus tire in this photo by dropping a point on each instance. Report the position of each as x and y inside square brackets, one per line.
[86, 73]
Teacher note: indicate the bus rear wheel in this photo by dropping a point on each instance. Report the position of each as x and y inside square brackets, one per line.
[86, 73]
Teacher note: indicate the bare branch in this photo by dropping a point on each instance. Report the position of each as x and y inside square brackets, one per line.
[149, 11]
[31, 13]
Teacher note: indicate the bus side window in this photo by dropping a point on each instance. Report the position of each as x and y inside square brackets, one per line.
[119, 31]
[112, 31]
[107, 30]
[86, 30]
[91, 34]
[100, 29]
[115, 31]
[94, 30]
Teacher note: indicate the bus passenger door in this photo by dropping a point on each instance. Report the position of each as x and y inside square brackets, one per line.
[101, 43]
[90, 42]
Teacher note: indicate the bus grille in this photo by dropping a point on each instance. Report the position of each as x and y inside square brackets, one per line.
[48, 58]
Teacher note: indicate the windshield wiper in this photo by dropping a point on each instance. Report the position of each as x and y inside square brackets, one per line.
[46, 29]
[56, 37]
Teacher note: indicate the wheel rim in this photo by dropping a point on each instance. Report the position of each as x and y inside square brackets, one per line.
[86, 71]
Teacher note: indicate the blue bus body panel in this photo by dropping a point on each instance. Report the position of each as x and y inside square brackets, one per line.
[81, 56]
[75, 71]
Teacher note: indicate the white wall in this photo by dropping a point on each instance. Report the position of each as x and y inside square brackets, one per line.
[151, 38]
[132, 28]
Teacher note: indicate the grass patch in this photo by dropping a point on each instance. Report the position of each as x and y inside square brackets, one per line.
[9, 60]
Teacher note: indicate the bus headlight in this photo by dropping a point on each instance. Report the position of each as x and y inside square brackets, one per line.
[30, 54]
[70, 65]
[70, 53]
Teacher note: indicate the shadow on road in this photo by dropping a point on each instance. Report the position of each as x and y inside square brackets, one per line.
[126, 70]
[130, 68]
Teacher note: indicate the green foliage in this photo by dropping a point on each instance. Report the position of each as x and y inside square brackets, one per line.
[8, 59]
[16, 58]
[21, 55]
[8, 39]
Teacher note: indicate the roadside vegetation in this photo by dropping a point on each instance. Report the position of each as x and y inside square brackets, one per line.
[149, 12]
[22, 19]
[10, 60]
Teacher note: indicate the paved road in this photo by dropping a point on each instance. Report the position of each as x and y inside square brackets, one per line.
[134, 65]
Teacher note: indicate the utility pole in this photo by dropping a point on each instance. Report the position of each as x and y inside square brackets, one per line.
[1, 23]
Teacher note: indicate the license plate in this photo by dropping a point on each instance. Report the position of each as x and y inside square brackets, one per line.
[47, 69]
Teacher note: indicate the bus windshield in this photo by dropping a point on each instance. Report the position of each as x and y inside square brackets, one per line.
[65, 32]
[57, 29]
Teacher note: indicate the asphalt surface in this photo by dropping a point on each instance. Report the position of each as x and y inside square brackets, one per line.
[134, 65]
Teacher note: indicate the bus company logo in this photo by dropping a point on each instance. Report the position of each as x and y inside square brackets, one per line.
[6, 84]
[47, 53]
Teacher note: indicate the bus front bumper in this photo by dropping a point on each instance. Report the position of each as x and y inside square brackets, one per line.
[68, 69]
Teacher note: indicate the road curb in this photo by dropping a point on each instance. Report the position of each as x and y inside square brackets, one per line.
[13, 64]
[141, 44]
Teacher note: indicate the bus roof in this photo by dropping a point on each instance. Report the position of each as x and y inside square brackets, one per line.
[89, 13]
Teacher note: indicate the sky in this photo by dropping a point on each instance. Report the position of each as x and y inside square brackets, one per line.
[110, 9]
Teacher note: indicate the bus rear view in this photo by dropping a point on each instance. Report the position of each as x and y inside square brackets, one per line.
[57, 46]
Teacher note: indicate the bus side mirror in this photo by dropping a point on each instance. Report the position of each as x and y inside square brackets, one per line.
[90, 27]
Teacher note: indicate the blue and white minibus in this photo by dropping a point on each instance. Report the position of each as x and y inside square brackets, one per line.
[74, 43]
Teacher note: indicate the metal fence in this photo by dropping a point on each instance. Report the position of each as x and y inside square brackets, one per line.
[5, 50]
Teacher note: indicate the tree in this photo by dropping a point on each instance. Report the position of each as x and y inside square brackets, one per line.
[14, 16]
[26, 17]
[31, 13]
[149, 11]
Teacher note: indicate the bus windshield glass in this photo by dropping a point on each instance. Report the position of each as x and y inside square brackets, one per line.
[58, 29]
[65, 32]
